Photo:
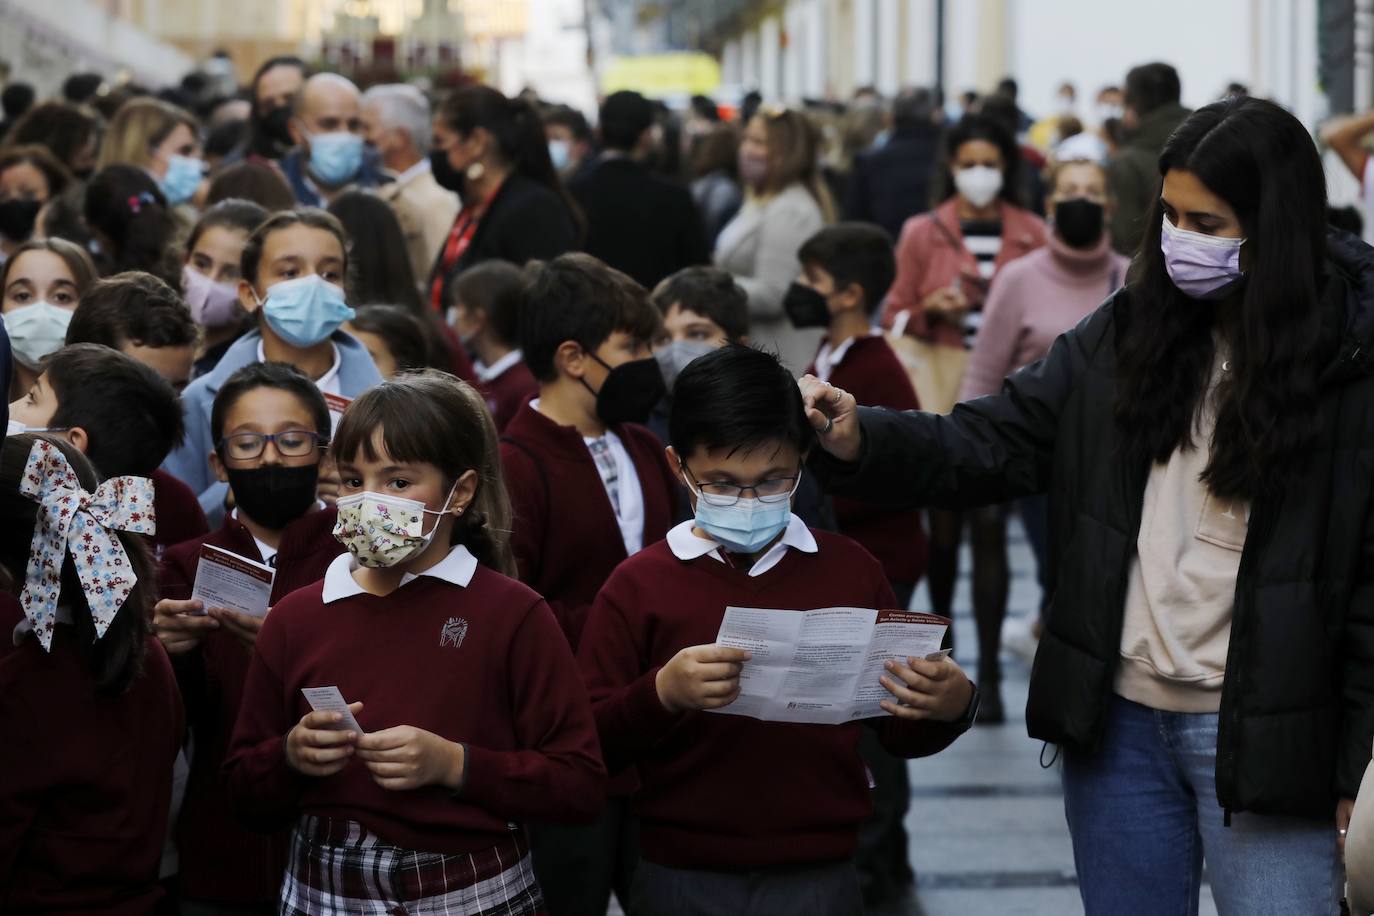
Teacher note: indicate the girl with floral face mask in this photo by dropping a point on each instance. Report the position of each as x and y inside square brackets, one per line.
[291, 281]
[42, 283]
[471, 714]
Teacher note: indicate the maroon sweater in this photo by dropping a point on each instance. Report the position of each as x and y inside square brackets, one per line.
[87, 780]
[508, 392]
[177, 511]
[872, 373]
[220, 860]
[509, 690]
[727, 792]
[567, 539]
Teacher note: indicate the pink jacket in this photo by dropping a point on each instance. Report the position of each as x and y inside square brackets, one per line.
[929, 258]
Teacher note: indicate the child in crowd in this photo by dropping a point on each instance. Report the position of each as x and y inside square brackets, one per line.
[484, 310]
[589, 490]
[472, 717]
[210, 277]
[270, 425]
[846, 272]
[138, 314]
[394, 337]
[124, 416]
[292, 279]
[739, 815]
[88, 704]
[42, 283]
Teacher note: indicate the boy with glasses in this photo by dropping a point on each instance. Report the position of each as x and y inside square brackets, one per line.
[739, 815]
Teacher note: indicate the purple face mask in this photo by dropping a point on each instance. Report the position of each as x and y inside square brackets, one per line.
[212, 305]
[1201, 266]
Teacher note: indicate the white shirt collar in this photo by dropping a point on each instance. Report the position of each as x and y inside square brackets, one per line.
[686, 545]
[329, 376]
[487, 373]
[414, 171]
[827, 359]
[457, 568]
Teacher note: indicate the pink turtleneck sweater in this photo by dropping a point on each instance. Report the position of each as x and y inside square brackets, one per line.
[1033, 300]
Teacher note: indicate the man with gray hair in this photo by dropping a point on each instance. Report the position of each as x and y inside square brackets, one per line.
[396, 122]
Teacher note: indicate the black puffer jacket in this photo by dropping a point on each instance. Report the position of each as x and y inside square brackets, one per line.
[1297, 705]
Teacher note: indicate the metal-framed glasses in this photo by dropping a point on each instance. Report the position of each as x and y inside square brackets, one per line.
[291, 443]
[719, 493]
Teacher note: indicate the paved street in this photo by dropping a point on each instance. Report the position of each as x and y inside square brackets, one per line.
[987, 822]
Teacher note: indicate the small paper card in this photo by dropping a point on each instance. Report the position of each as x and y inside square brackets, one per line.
[337, 404]
[328, 699]
[227, 580]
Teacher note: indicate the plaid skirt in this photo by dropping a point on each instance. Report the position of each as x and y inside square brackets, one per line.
[338, 866]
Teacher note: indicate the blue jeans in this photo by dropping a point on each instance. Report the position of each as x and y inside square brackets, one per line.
[1143, 814]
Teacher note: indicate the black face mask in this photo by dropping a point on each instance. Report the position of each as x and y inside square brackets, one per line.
[274, 495]
[276, 126]
[630, 391]
[445, 174]
[805, 307]
[17, 216]
[1078, 222]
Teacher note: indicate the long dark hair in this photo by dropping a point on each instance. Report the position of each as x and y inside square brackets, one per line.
[381, 273]
[126, 205]
[1260, 160]
[432, 417]
[519, 134]
[978, 127]
[116, 659]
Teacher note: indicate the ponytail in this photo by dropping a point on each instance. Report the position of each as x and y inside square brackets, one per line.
[126, 206]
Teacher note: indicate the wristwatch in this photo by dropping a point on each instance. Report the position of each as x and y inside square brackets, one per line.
[965, 722]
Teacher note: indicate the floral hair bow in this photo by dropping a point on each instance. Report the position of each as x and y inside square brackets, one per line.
[72, 521]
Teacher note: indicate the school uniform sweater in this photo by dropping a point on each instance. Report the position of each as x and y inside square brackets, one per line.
[220, 860]
[506, 387]
[567, 539]
[87, 780]
[176, 510]
[867, 368]
[725, 792]
[482, 663]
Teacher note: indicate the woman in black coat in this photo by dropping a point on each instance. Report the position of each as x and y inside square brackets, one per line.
[492, 152]
[1207, 441]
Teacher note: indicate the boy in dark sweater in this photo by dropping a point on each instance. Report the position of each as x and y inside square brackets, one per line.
[846, 272]
[739, 815]
[589, 488]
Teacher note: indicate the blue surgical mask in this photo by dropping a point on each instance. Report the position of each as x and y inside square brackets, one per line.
[335, 158]
[560, 151]
[305, 310]
[747, 526]
[184, 175]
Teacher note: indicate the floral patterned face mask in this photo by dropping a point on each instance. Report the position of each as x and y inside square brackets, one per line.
[382, 530]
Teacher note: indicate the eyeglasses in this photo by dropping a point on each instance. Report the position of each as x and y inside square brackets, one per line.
[292, 443]
[773, 490]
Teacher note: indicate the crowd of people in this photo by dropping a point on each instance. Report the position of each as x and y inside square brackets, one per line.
[508, 408]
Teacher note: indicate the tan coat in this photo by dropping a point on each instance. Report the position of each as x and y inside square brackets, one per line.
[426, 213]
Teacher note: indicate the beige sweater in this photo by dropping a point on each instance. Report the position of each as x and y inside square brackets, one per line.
[1182, 586]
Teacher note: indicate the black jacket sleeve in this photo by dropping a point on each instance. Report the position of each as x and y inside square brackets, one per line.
[1357, 723]
[538, 226]
[987, 451]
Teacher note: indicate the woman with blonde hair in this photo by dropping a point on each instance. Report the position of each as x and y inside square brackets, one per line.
[161, 139]
[785, 204]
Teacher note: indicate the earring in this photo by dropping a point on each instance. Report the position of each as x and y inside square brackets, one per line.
[475, 171]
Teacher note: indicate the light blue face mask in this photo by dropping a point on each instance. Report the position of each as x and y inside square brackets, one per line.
[335, 158]
[184, 175]
[560, 152]
[747, 525]
[305, 310]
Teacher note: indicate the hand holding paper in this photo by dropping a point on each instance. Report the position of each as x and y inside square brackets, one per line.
[700, 677]
[323, 741]
[922, 688]
[179, 625]
[406, 757]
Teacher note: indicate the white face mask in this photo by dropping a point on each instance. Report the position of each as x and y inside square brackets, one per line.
[36, 331]
[979, 184]
[382, 530]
